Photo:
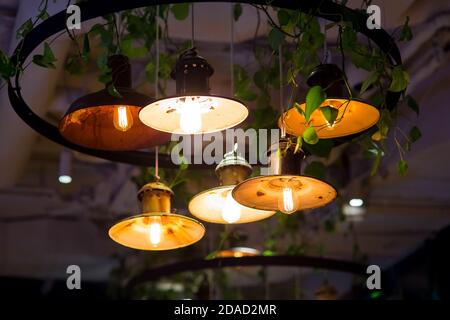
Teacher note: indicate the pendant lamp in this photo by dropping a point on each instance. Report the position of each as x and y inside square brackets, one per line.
[352, 116]
[156, 228]
[193, 110]
[102, 121]
[285, 189]
[216, 205]
[238, 252]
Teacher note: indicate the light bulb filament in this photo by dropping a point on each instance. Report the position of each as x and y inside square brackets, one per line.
[155, 233]
[123, 119]
[288, 201]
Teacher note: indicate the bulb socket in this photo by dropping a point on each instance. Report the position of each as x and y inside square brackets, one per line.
[233, 169]
[284, 160]
[155, 197]
[191, 74]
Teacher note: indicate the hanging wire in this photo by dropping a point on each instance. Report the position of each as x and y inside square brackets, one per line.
[192, 25]
[280, 70]
[157, 85]
[232, 47]
[326, 55]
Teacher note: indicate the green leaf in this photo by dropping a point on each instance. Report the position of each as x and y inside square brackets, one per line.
[414, 134]
[400, 79]
[23, 30]
[406, 34]
[310, 136]
[298, 144]
[375, 163]
[276, 38]
[127, 48]
[369, 81]
[113, 91]
[316, 170]
[268, 253]
[7, 69]
[243, 84]
[402, 167]
[237, 11]
[299, 110]
[180, 10]
[283, 17]
[329, 113]
[47, 59]
[412, 104]
[86, 47]
[211, 255]
[314, 98]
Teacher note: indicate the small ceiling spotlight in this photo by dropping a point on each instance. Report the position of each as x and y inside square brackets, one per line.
[356, 202]
[65, 167]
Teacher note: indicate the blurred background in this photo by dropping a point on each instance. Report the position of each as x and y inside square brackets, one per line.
[402, 225]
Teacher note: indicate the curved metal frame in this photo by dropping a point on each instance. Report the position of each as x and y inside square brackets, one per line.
[286, 261]
[92, 9]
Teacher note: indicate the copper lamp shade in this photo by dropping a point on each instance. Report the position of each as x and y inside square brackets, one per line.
[193, 110]
[238, 252]
[353, 116]
[285, 190]
[102, 121]
[217, 205]
[156, 229]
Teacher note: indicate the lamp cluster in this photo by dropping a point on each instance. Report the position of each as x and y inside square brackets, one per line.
[130, 121]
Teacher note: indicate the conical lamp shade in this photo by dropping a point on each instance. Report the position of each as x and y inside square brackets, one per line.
[193, 110]
[157, 229]
[217, 205]
[352, 116]
[286, 190]
[105, 122]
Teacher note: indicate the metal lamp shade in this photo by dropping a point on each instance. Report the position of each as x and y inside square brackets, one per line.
[217, 205]
[91, 121]
[157, 229]
[193, 110]
[264, 192]
[210, 204]
[353, 116]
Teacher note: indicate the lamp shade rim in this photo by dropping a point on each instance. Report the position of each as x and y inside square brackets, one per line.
[234, 111]
[130, 219]
[364, 122]
[245, 202]
[265, 214]
[129, 97]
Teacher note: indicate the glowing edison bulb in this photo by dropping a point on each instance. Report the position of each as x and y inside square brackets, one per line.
[123, 119]
[287, 201]
[191, 116]
[155, 232]
[231, 211]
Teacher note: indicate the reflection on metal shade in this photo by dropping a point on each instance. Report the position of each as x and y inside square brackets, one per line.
[157, 231]
[93, 127]
[263, 192]
[193, 114]
[211, 206]
[353, 116]
[238, 252]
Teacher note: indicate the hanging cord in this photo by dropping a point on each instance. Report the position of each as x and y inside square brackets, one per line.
[192, 25]
[157, 86]
[280, 70]
[232, 48]
[326, 56]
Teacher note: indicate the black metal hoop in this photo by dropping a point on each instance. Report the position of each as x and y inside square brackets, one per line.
[92, 9]
[286, 261]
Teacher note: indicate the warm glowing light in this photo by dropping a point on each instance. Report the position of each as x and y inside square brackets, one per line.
[155, 232]
[356, 202]
[123, 119]
[65, 179]
[287, 202]
[190, 116]
[231, 211]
